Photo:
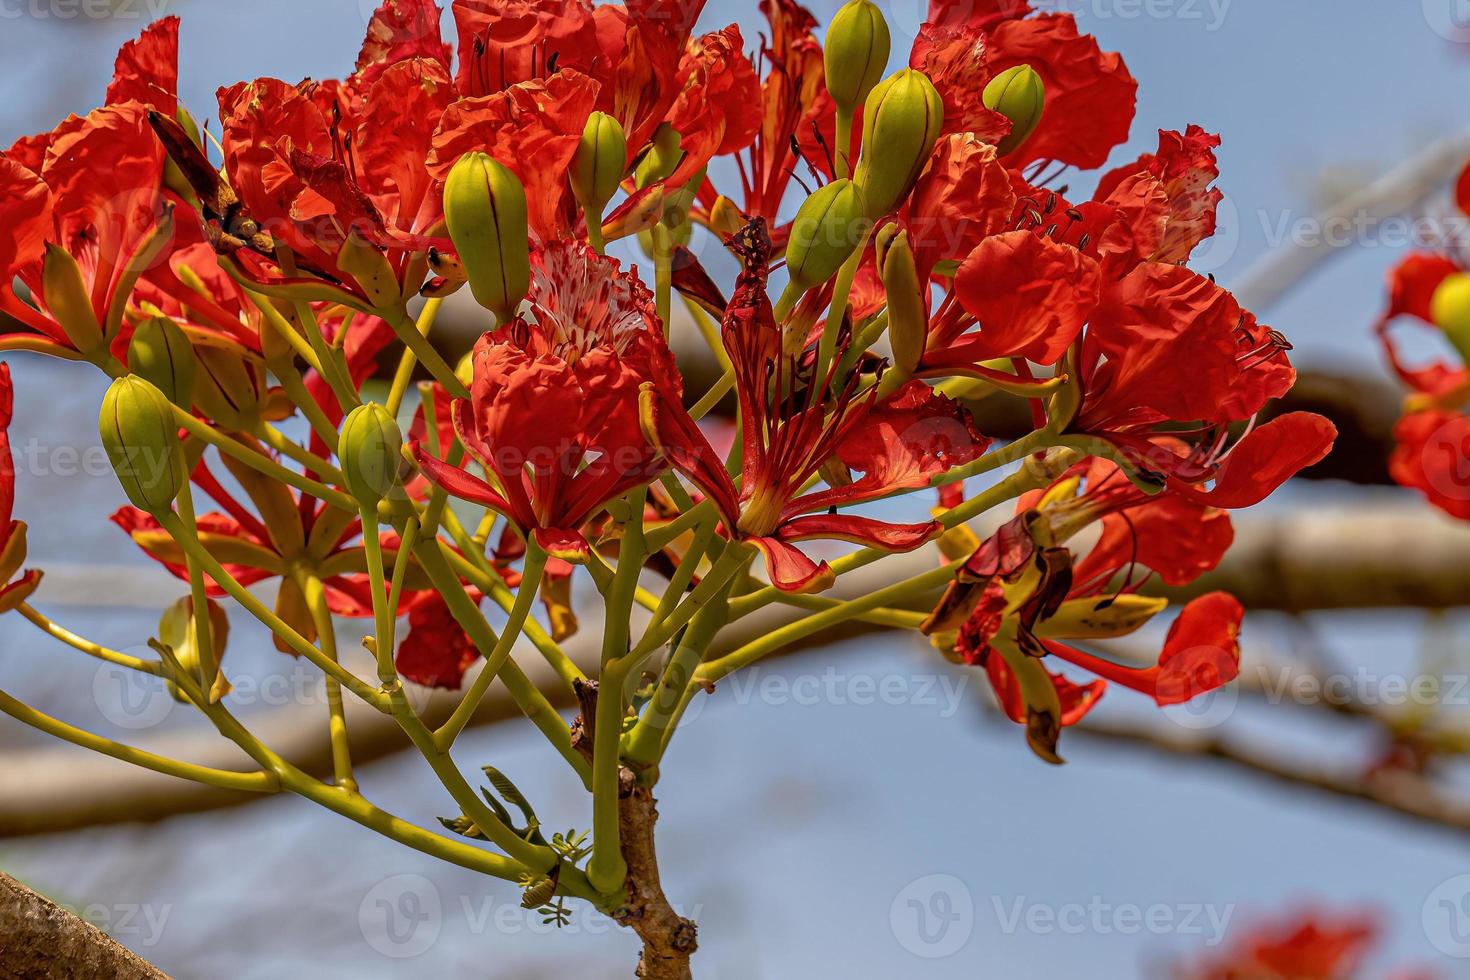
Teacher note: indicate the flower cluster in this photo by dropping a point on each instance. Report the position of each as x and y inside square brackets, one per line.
[1432, 452]
[908, 249]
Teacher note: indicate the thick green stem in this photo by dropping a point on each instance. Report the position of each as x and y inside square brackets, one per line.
[253, 782]
[606, 869]
[201, 623]
[643, 746]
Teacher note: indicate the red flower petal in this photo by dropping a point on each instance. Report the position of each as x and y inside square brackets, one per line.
[1265, 459]
[533, 128]
[1090, 96]
[147, 69]
[1031, 296]
[792, 571]
[436, 652]
[1433, 457]
[963, 197]
[860, 530]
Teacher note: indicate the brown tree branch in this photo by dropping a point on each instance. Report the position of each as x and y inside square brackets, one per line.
[39, 940]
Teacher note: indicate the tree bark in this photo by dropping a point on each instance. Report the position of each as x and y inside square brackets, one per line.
[669, 939]
[40, 940]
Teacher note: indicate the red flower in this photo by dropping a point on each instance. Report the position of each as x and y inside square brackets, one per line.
[558, 391]
[1432, 455]
[436, 652]
[1183, 170]
[791, 434]
[286, 530]
[1024, 591]
[532, 128]
[1307, 946]
[13, 590]
[1090, 96]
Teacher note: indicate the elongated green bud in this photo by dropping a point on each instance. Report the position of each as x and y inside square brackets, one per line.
[160, 354]
[901, 123]
[370, 452]
[907, 319]
[855, 52]
[173, 177]
[142, 443]
[598, 167]
[229, 388]
[827, 229]
[662, 158]
[1450, 310]
[485, 209]
[178, 631]
[1019, 94]
[65, 293]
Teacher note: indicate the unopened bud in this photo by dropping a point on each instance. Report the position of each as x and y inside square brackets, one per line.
[901, 123]
[1449, 308]
[67, 299]
[178, 631]
[229, 388]
[142, 443]
[662, 158]
[173, 177]
[907, 315]
[1019, 94]
[856, 53]
[160, 354]
[725, 218]
[370, 451]
[485, 209]
[826, 230]
[598, 167]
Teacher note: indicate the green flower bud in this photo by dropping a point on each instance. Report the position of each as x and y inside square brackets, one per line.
[178, 631]
[160, 354]
[1450, 310]
[67, 299]
[173, 177]
[662, 158]
[229, 388]
[1019, 94]
[142, 443]
[369, 450]
[901, 123]
[485, 209]
[598, 167]
[908, 324]
[827, 229]
[856, 53]
[465, 369]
